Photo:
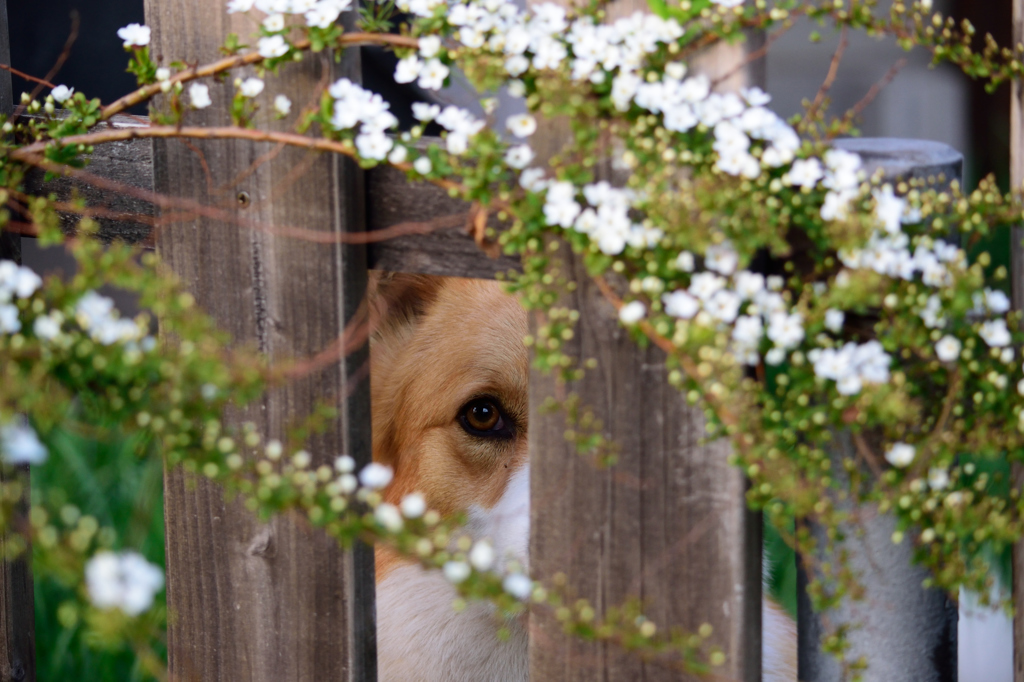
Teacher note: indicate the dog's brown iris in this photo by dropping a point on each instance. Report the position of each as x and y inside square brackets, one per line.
[482, 415]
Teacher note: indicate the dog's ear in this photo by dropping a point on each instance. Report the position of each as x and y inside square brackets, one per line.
[398, 298]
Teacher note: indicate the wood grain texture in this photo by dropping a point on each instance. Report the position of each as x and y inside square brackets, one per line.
[274, 602]
[17, 606]
[667, 523]
[128, 164]
[1017, 293]
[392, 200]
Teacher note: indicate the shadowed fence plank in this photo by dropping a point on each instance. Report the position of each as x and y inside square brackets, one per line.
[272, 602]
[17, 615]
[667, 524]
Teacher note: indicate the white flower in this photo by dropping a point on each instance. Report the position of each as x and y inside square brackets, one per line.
[786, 331]
[532, 180]
[19, 443]
[270, 47]
[948, 348]
[900, 455]
[347, 484]
[889, 209]
[375, 476]
[482, 555]
[680, 304]
[723, 305]
[388, 516]
[343, 463]
[325, 13]
[408, 69]
[521, 125]
[47, 327]
[703, 285]
[456, 143]
[62, 93]
[413, 506]
[422, 111]
[995, 333]
[456, 571]
[938, 478]
[433, 74]
[251, 87]
[398, 154]
[519, 157]
[517, 65]
[422, 165]
[163, 73]
[748, 330]
[518, 585]
[749, 284]
[804, 173]
[274, 23]
[282, 105]
[429, 46]
[199, 95]
[9, 322]
[134, 35]
[632, 312]
[373, 145]
[125, 581]
[17, 280]
[728, 3]
[776, 356]
[239, 6]
[684, 261]
[834, 320]
[721, 258]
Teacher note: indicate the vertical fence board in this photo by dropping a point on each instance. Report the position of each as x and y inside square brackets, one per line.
[667, 523]
[904, 631]
[17, 608]
[1017, 292]
[279, 601]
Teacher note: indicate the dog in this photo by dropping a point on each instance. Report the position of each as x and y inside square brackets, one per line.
[450, 402]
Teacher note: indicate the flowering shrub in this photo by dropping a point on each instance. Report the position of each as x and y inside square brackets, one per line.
[865, 313]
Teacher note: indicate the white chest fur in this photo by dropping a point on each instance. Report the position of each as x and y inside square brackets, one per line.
[421, 638]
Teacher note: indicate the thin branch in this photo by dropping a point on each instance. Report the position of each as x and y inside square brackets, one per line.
[189, 209]
[868, 98]
[868, 455]
[22, 74]
[147, 91]
[830, 78]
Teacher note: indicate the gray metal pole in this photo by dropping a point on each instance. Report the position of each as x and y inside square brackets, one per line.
[905, 632]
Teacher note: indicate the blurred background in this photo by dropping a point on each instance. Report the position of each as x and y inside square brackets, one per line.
[938, 104]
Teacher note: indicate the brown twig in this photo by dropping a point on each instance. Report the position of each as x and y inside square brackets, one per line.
[147, 91]
[830, 78]
[189, 209]
[869, 97]
[867, 454]
[22, 74]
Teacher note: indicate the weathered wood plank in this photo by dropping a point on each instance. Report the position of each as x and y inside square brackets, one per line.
[121, 215]
[278, 601]
[393, 200]
[1017, 286]
[17, 607]
[667, 523]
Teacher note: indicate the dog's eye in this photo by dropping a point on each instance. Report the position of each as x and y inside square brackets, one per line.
[483, 417]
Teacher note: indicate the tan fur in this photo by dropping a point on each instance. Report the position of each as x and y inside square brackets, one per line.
[439, 343]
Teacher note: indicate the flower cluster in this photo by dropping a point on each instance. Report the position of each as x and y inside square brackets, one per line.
[123, 581]
[355, 106]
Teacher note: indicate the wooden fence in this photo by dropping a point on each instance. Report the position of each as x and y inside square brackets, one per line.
[279, 601]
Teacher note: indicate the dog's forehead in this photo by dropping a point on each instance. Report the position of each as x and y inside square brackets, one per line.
[474, 331]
